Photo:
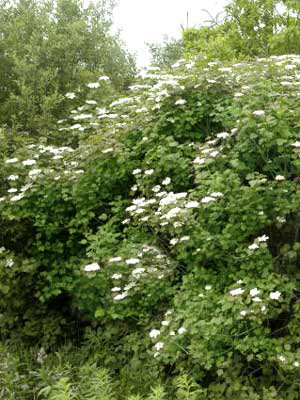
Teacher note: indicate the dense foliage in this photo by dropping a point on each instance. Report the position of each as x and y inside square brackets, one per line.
[250, 28]
[149, 241]
[49, 49]
[172, 230]
[165, 53]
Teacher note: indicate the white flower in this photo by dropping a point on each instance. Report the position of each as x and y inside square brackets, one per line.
[236, 292]
[2, 199]
[180, 102]
[172, 213]
[13, 177]
[214, 153]
[208, 287]
[258, 112]
[296, 144]
[172, 333]
[240, 281]
[130, 286]
[207, 199]
[184, 238]
[156, 189]
[275, 295]
[254, 292]
[116, 289]
[192, 204]
[132, 261]
[115, 259]
[257, 299]
[222, 135]
[296, 364]
[159, 346]
[253, 246]
[34, 172]
[131, 208]
[166, 181]
[116, 276]
[17, 198]
[126, 221]
[281, 220]
[181, 330]
[2, 249]
[121, 296]
[136, 171]
[154, 333]
[26, 187]
[11, 160]
[173, 241]
[217, 194]
[140, 110]
[149, 171]
[9, 262]
[165, 323]
[93, 85]
[263, 238]
[199, 160]
[109, 150]
[29, 162]
[12, 190]
[243, 313]
[138, 271]
[103, 78]
[281, 358]
[70, 95]
[279, 178]
[92, 267]
[177, 224]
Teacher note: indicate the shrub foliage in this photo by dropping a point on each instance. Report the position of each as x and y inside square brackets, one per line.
[171, 228]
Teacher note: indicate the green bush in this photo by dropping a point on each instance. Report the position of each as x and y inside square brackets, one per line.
[172, 230]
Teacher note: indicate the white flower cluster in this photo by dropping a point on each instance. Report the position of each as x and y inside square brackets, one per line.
[254, 296]
[257, 242]
[92, 267]
[148, 264]
[208, 151]
[166, 331]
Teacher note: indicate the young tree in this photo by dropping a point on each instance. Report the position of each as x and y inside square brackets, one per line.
[166, 53]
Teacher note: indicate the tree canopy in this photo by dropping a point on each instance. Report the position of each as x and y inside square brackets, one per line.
[50, 48]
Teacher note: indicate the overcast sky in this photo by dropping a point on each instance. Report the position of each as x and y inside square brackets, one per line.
[143, 21]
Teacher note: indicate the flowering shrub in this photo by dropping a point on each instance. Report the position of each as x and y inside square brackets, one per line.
[174, 222]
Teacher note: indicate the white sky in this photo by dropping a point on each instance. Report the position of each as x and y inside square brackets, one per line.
[143, 21]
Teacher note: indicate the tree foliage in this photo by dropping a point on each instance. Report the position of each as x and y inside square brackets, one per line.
[166, 53]
[251, 28]
[51, 48]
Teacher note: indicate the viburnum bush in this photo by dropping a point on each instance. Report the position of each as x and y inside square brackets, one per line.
[174, 225]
